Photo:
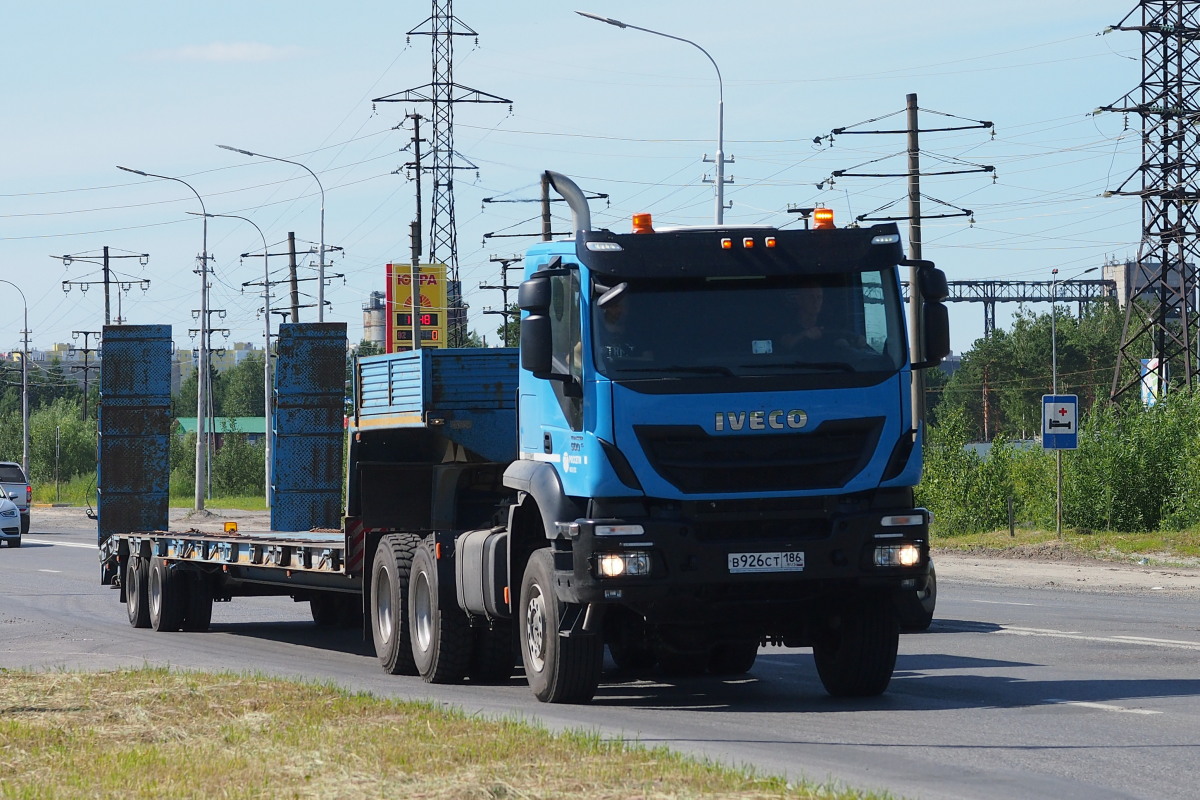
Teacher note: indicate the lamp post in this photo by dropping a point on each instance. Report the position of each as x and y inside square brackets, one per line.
[1054, 282]
[719, 159]
[268, 434]
[24, 383]
[321, 254]
[202, 388]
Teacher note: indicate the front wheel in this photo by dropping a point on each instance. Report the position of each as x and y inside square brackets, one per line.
[916, 608]
[559, 669]
[856, 652]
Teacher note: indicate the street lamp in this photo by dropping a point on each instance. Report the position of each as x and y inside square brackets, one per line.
[720, 156]
[1054, 281]
[321, 254]
[202, 362]
[24, 384]
[268, 440]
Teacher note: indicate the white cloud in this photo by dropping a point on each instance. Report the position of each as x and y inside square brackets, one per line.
[227, 52]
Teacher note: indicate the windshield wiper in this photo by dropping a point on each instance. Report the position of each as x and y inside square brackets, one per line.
[841, 366]
[707, 369]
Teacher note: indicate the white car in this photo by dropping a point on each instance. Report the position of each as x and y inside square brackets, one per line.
[10, 522]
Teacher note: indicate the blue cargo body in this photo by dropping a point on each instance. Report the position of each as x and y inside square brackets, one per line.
[134, 467]
[467, 395]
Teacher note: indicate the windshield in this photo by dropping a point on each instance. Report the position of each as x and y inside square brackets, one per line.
[837, 323]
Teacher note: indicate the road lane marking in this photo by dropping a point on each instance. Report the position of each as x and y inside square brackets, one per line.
[51, 571]
[1001, 603]
[60, 544]
[1101, 706]
[1170, 643]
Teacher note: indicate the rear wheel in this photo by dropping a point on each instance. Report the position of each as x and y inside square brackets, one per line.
[389, 596]
[856, 652]
[166, 593]
[441, 637]
[137, 602]
[560, 669]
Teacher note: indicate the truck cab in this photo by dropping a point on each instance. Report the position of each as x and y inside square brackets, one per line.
[716, 432]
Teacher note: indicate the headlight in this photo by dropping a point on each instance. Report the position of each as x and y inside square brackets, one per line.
[897, 555]
[9, 512]
[612, 565]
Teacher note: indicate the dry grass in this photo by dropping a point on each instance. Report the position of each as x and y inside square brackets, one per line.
[154, 733]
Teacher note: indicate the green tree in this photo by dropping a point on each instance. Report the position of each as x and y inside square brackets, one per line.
[238, 466]
[510, 331]
[239, 391]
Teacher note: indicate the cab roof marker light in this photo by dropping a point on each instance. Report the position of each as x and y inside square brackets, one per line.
[769, 242]
[887, 238]
[823, 218]
[748, 243]
[643, 223]
[604, 247]
[726, 243]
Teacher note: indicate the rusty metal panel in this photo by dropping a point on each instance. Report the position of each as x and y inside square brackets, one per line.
[309, 425]
[134, 465]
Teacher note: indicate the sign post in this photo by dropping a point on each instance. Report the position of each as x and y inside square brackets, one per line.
[1060, 431]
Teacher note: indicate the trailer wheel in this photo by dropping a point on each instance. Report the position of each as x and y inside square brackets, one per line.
[559, 669]
[733, 658]
[389, 597]
[198, 602]
[325, 610]
[137, 602]
[441, 637]
[916, 608]
[166, 594]
[856, 652]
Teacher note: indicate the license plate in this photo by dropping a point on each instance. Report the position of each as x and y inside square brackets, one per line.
[787, 561]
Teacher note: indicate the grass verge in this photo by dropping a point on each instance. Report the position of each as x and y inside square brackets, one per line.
[154, 733]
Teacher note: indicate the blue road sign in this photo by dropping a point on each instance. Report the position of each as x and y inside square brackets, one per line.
[1060, 421]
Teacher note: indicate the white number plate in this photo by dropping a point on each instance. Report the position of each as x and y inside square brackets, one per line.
[788, 561]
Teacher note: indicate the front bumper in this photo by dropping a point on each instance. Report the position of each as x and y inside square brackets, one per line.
[676, 568]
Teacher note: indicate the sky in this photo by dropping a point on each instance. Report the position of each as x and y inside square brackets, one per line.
[156, 86]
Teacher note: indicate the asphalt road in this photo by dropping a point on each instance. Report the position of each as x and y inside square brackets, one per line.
[1014, 691]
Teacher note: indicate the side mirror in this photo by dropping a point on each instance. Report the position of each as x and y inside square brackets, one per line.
[536, 344]
[936, 323]
[934, 287]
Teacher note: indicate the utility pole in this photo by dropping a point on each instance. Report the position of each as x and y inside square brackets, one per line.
[86, 368]
[913, 175]
[295, 286]
[1168, 184]
[442, 94]
[414, 269]
[105, 257]
[504, 287]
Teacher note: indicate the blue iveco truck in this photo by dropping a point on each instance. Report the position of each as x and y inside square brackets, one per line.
[705, 444]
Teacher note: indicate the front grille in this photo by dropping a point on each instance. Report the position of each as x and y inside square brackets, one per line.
[694, 461]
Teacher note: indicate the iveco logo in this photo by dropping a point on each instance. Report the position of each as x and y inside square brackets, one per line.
[761, 420]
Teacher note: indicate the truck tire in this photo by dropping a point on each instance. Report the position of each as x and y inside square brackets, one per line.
[915, 609]
[441, 637]
[559, 669]
[165, 590]
[856, 653]
[137, 602]
[733, 658]
[388, 602]
[493, 657]
[198, 601]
